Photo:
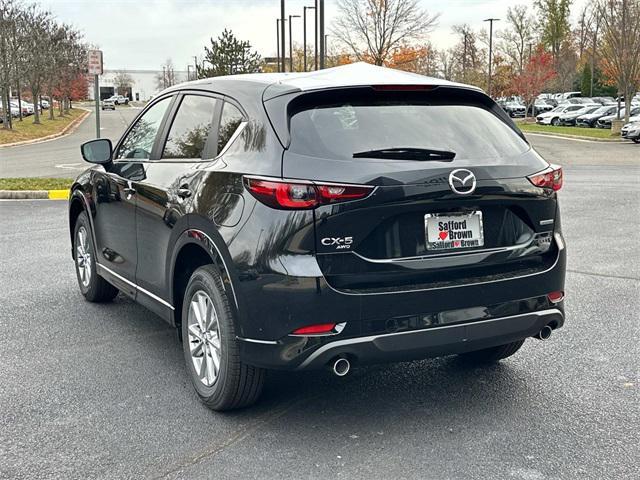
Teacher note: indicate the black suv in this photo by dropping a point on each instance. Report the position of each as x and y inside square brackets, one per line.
[300, 221]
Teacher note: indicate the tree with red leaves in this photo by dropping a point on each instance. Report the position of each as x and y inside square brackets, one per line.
[538, 72]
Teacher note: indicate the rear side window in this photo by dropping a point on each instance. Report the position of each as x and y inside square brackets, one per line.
[190, 128]
[338, 131]
[229, 123]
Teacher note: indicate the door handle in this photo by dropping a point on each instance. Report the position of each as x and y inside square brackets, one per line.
[129, 190]
[184, 192]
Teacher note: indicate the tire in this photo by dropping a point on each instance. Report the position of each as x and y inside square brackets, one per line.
[555, 122]
[233, 384]
[493, 354]
[636, 140]
[93, 286]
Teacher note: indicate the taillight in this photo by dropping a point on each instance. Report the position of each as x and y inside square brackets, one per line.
[549, 178]
[307, 195]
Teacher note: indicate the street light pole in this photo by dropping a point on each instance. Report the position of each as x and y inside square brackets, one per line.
[282, 34]
[321, 33]
[304, 34]
[291, 41]
[490, 20]
[315, 35]
[278, 43]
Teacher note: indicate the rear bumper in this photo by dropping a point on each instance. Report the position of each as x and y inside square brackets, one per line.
[409, 345]
[435, 341]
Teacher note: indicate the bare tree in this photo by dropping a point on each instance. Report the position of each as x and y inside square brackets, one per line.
[8, 15]
[167, 77]
[372, 29]
[515, 39]
[41, 34]
[123, 82]
[621, 45]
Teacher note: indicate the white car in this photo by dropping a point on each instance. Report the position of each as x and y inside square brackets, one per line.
[631, 130]
[553, 117]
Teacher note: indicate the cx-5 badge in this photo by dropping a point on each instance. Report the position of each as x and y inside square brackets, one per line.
[462, 181]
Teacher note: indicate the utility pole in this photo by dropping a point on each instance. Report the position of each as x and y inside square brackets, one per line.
[195, 63]
[282, 34]
[490, 20]
[321, 34]
[291, 41]
[304, 34]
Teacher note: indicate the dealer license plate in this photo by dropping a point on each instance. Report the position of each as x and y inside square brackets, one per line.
[453, 231]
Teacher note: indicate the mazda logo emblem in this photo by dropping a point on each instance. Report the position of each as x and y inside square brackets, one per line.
[462, 181]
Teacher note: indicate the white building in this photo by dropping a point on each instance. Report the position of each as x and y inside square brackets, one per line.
[145, 83]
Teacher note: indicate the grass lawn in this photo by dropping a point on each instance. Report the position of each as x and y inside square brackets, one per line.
[35, 183]
[26, 130]
[601, 133]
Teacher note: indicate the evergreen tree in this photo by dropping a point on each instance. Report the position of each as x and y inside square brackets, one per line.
[228, 56]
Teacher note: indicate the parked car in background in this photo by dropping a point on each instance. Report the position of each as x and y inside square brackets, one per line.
[590, 119]
[568, 95]
[569, 118]
[553, 117]
[604, 100]
[108, 104]
[380, 232]
[13, 109]
[514, 109]
[26, 109]
[631, 131]
[119, 99]
[605, 122]
[44, 103]
[541, 105]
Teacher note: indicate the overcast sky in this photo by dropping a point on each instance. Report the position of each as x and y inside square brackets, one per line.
[142, 34]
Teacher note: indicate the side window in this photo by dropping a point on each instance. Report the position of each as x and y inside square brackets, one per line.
[229, 123]
[190, 128]
[139, 141]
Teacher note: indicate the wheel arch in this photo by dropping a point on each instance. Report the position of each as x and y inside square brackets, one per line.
[195, 248]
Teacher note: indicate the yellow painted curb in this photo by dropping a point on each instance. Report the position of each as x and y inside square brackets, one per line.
[58, 194]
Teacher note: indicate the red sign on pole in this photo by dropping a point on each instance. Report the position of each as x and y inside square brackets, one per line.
[94, 62]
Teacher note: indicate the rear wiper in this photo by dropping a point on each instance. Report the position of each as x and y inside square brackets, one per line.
[420, 154]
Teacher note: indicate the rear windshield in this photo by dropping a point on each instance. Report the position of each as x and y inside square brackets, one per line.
[339, 130]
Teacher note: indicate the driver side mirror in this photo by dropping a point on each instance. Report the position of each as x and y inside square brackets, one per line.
[97, 151]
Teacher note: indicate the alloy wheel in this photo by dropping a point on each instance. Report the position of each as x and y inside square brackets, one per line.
[83, 256]
[204, 338]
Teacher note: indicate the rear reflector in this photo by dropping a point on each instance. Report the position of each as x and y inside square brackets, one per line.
[550, 178]
[315, 329]
[556, 297]
[307, 195]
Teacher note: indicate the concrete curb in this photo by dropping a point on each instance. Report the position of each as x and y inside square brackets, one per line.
[68, 130]
[34, 194]
[574, 137]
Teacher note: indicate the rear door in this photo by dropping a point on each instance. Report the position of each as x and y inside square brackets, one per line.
[417, 149]
[166, 192]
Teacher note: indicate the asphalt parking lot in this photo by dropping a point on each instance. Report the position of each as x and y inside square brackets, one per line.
[100, 391]
[61, 157]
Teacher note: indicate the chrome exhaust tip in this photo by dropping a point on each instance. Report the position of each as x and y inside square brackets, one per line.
[544, 333]
[341, 367]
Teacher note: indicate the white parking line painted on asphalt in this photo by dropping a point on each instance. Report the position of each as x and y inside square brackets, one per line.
[72, 166]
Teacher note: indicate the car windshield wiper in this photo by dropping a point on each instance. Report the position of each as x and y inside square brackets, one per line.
[410, 153]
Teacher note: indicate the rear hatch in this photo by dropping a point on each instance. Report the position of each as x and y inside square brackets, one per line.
[414, 231]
